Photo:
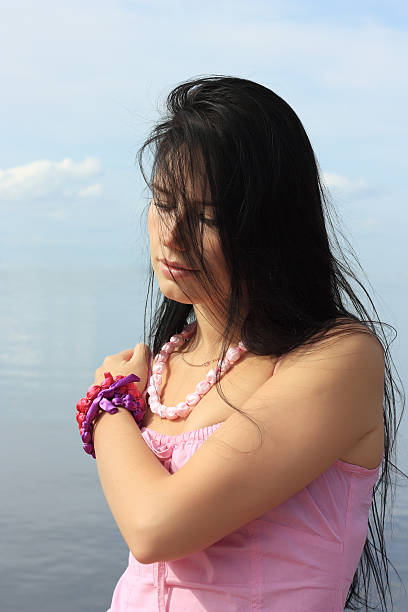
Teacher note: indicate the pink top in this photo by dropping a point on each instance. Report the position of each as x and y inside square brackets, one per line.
[300, 556]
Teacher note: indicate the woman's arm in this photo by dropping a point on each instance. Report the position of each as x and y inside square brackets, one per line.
[131, 476]
[129, 472]
[312, 413]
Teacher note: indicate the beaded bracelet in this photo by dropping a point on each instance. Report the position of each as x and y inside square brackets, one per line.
[113, 392]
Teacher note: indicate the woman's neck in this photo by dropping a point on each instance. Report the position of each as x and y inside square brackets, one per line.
[206, 342]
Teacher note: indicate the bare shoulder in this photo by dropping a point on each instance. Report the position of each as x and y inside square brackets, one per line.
[347, 343]
[331, 391]
[345, 371]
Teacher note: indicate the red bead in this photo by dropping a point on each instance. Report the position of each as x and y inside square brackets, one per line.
[108, 381]
[135, 392]
[93, 392]
[83, 405]
[81, 402]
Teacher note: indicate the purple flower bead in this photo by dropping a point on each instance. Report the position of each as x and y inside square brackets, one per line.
[86, 437]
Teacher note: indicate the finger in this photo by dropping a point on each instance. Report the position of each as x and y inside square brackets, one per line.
[141, 352]
[126, 355]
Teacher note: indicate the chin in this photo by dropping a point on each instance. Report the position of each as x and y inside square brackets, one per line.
[171, 291]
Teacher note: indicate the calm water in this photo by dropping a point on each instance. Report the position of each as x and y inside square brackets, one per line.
[61, 550]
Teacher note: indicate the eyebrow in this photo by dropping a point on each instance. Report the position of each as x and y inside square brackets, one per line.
[162, 190]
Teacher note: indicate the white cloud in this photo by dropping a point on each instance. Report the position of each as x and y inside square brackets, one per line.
[59, 215]
[42, 178]
[91, 191]
[345, 187]
[369, 223]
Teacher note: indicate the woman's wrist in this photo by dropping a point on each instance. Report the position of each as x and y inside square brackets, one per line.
[114, 393]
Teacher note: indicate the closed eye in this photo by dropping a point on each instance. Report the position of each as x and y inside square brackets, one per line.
[206, 220]
[161, 205]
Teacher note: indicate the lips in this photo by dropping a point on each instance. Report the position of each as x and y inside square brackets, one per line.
[176, 265]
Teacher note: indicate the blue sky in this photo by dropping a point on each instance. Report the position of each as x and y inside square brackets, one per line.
[83, 83]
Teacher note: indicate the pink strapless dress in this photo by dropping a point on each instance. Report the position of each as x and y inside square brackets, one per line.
[298, 557]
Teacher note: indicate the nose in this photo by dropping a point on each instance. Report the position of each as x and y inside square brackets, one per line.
[170, 233]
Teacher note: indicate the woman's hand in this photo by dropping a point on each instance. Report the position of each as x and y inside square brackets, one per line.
[129, 361]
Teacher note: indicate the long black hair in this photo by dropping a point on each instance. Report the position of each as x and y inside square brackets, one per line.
[244, 150]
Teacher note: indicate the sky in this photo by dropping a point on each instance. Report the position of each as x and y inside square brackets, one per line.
[83, 83]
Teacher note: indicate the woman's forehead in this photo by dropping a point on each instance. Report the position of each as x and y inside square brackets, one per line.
[193, 190]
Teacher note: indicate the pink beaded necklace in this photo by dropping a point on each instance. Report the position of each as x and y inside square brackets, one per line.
[182, 409]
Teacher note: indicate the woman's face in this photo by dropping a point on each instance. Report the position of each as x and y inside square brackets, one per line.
[162, 224]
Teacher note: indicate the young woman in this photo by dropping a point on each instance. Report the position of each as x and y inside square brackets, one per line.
[270, 403]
